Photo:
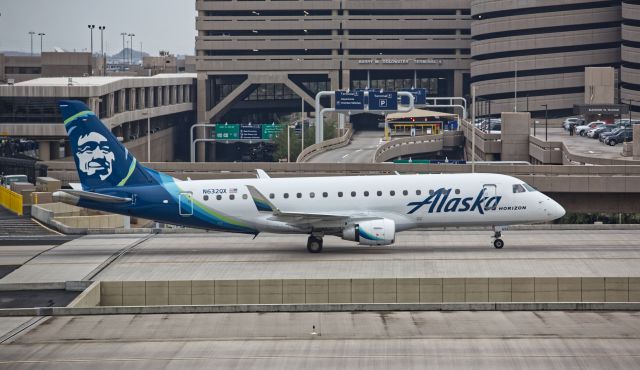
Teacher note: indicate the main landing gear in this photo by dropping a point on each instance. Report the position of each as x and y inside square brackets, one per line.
[498, 243]
[314, 244]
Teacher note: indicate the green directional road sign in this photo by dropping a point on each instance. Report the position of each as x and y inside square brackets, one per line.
[271, 131]
[227, 131]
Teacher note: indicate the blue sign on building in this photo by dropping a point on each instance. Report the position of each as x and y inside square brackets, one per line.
[385, 101]
[352, 100]
[420, 96]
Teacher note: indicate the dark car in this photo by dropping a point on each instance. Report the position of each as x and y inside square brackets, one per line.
[622, 136]
[604, 135]
[596, 132]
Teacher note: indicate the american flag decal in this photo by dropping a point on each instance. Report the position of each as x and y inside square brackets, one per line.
[233, 190]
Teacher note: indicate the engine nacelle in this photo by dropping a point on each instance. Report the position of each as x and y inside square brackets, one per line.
[374, 232]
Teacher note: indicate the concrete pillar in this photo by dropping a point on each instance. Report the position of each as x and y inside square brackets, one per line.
[143, 98]
[45, 150]
[515, 136]
[636, 141]
[457, 83]
[180, 94]
[55, 150]
[123, 105]
[111, 105]
[67, 148]
[151, 94]
[202, 115]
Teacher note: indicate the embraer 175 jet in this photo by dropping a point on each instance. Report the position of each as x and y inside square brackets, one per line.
[369, 210]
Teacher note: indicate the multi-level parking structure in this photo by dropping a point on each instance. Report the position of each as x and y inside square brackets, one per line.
[547, 45]
[630, 69]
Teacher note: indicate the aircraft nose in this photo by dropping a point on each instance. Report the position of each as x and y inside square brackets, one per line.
[556, 210]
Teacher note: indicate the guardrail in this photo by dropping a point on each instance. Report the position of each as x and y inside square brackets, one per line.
[324, 146]
[416, 145]
[486, 143]
[11, 200]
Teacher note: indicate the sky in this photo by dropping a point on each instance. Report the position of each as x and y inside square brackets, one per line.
[158, 24]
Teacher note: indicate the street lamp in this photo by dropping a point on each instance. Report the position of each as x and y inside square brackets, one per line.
[41, 34]
[123, 34]
[104, 60]
[546, 122]
[31, 33]
[91, 27]
[131, 46]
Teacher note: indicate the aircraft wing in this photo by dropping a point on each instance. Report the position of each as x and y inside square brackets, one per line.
[302, 218]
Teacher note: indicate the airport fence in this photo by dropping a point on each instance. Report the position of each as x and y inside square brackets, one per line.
[11, 200]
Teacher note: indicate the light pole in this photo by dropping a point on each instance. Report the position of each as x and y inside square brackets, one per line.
[104, 60]
[148, 114]
[288, 143]
[473, 130]
[515, 91]
[302, 123]
[31, 33]
[91, 27]
[131, 46]
[41, 34]
[546, 122]
[123, 34]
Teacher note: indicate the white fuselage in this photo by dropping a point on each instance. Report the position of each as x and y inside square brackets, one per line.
[411, 201]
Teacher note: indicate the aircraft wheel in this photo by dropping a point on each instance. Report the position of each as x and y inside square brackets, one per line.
[498, 243]
[314, 245]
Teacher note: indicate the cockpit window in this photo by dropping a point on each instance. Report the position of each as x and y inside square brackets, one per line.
[529, 187]
[517, 188]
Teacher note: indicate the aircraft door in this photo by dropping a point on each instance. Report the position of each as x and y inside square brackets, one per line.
[490, 190]
[185, 204]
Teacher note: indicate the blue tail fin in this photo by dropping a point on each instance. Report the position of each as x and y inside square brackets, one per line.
[100, 159]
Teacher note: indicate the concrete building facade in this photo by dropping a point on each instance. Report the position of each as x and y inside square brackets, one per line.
[30, 109]
[530, 53]
[630, 69]
[253, 55]
[49, 64]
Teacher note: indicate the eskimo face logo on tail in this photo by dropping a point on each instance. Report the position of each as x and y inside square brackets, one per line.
[440, 201]
[95, 156]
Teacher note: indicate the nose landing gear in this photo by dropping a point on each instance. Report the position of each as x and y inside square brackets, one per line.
[498, 243]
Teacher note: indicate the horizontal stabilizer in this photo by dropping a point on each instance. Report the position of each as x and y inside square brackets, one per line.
[67, 195]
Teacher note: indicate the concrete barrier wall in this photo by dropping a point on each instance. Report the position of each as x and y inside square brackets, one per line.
[418, 290]
[90, 297]
[92, 222]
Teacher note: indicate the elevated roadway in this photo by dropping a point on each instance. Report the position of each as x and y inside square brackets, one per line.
[361, 149]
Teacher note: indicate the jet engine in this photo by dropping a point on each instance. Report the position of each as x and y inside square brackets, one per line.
[374, 232]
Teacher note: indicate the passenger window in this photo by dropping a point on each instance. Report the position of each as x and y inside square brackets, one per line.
[366, 193]
[272, 196]
[286, 195]
[232, 197]
[353, 193]
[517, 188]
[206, 197]
[340, 194]
[299, 195]
[325, 194]
[457, 191]
[244, 196]
[405, 193]
[431, 192]
[418, 192]
[312, 195]
[379, 193]
[219, 197]
[392, 193]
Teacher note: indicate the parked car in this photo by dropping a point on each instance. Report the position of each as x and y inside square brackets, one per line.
[7, 180]
[625, 134]
[494, 126]
[576, 121]
[582, 130]
[594, 133]
[605, 135]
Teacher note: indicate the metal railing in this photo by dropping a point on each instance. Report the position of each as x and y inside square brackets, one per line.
[11, 200]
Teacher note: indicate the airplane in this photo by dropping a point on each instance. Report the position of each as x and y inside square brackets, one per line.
[369, 210]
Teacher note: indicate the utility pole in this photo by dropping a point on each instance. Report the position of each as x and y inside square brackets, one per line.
[546, 121]
[31, 33]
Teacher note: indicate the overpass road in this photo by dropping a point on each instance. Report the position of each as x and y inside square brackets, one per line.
[360, 150]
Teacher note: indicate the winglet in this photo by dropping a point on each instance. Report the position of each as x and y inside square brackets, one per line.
[262, 203]
[262, 174]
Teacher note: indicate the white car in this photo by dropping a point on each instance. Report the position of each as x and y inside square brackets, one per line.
[582, 130]
[567, 122]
